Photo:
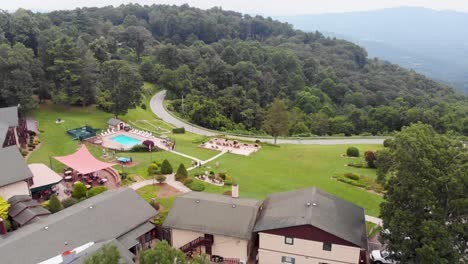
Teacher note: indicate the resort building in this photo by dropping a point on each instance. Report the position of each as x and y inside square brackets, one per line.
[15, 177]
[305, 226]
[116, 124]
[220, 226]
[120, 216]
[12, 130]
[309, 226]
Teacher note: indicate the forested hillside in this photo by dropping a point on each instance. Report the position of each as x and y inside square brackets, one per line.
[227, 67]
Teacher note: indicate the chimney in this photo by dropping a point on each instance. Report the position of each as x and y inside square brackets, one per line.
[3, 229]
[235, 191]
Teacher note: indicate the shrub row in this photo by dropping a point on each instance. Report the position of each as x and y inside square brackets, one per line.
[178, 130]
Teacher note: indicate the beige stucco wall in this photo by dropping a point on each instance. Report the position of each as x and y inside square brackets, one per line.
[17, 188]
[272, 248]
[227, 247]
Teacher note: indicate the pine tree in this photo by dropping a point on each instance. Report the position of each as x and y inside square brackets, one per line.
[54, 204]
[166, 167]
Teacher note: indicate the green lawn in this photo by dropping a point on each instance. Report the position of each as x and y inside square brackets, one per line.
[150, 191]
[276, 169]
[55, 141]
[272, 169]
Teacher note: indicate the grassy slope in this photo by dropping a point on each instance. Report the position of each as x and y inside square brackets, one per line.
[277, 169]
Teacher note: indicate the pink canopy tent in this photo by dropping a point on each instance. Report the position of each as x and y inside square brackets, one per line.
[83, 161]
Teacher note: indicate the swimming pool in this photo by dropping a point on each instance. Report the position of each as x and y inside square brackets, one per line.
[126, 140]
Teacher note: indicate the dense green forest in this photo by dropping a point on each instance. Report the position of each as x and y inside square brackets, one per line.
[227, 67]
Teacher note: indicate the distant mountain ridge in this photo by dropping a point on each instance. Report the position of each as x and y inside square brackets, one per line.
[434, 43]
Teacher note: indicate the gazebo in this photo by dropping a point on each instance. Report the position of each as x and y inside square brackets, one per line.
[83, 162]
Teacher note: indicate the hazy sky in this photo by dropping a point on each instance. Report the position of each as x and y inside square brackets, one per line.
[269, 7]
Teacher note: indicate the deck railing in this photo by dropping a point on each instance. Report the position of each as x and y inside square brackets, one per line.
[200, 241]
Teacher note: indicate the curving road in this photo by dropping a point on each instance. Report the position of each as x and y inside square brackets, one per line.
[158, 109]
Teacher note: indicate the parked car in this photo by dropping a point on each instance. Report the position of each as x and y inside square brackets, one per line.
[383, 257]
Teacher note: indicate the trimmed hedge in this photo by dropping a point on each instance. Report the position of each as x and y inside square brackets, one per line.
[196, 186]
[69, 202]
[96, 190]
[178, 130]
[352, 152]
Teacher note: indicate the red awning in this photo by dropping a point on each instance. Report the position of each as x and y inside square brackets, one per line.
[83, 161]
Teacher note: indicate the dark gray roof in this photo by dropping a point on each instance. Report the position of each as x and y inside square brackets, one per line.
[326, 212]
[214, 214]
[9, 116]
[3, 133]
[18, 198]
[113, 121]
[17, 208]
[102, 217]
[129, 239]
[13, 166]
[125, 255]
[29, 214]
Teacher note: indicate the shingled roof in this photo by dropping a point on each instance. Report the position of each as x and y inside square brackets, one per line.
[214, 214]
[102, 217]
[14, 168]
[9, 116]
[317, 208]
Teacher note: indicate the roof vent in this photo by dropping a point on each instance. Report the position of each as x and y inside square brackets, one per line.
[314, 204]
[197, 201]
[308, 204]
[46, 227]
[91, 207]
[233, 206]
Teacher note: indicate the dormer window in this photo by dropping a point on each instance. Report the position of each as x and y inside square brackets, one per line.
[289, 240]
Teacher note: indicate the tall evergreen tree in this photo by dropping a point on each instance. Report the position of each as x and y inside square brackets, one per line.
[426, 204]
[277, 120]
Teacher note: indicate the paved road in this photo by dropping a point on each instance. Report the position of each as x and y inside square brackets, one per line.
[157, 107]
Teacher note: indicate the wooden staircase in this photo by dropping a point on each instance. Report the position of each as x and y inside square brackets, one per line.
[200, 241]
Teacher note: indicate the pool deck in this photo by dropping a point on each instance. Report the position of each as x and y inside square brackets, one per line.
[107, 141]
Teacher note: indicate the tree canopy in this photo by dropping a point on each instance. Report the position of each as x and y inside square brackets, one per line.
[228, 68]
[426, 203]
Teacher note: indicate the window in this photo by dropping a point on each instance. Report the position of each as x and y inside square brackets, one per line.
[323, 263]
[289, 240]
[327, 246]
[285, 259]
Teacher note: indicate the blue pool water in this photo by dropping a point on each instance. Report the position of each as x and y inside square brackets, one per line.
[126, 140]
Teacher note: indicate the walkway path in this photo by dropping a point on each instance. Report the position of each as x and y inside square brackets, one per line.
[158, 109]
[374, 220]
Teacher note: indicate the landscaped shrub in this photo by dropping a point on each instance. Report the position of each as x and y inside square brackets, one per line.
[161, 217]
[166, 167]
[24, 152]
[178, 130]
[96, 190]
[358, 164]
[139, 148]
[196, 186]
[69, 202]
[181, 173]
[160, 178]
[211, 176]
[212, 173]
[352, 176]
[387, 142]
[370, 158]
[143, 106]
[222, 175]
[152, 169]
[155, 205]
[54, 204]
[187, 181]
[228, 180]
[45, 204]
[79, 190]
[352, 152]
